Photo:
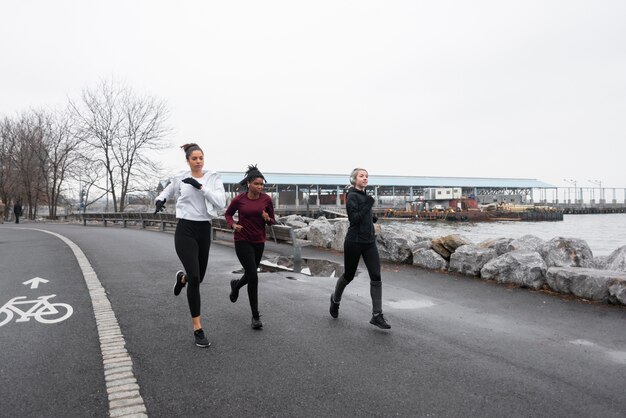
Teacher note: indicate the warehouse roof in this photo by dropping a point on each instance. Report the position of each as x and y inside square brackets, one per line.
[230, 177]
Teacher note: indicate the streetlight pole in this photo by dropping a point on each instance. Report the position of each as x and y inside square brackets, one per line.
[599, 184]
[574, 182]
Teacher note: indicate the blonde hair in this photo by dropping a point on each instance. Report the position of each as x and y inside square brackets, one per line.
[354, 173]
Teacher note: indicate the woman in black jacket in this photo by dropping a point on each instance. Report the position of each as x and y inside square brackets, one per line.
[360, 242]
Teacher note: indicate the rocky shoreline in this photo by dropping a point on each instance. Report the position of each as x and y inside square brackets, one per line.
[562, 265]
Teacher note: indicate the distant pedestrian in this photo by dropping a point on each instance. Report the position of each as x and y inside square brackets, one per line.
[199, 194]
[255, 210]
[17, 211]
[360, 242]
[2, 207]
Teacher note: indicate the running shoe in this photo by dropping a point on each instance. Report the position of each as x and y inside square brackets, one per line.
[334, 307]
[178, 286]
[256, 323]
[234, 291]
[379, 321]
[201, 340]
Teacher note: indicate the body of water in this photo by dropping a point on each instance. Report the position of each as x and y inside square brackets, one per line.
[603, 233]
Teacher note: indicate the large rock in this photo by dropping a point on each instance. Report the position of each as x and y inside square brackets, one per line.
[454, 241]
[600, 262]
[425, 244]
[396, 243]
[429, 259]
[397, 249]
[321, 232]
[470, 259]
[437, 245]
[340, 230]
[296, 221]
[526, 242]
[617, 292]
[591, 284]
[301, 233]
[501, 245]
[617, 260]
[521, 267]
[566, 252]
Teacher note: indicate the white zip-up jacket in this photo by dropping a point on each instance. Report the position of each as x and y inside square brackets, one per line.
[193, 204]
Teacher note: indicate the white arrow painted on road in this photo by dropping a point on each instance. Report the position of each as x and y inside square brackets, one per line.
[34, 282]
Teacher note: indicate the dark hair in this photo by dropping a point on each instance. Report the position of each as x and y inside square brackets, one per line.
[191, 147]
[251, 173]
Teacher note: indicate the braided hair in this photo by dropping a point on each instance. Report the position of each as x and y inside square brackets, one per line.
[251, 173]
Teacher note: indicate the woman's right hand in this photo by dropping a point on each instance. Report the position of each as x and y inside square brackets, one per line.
[237, 227]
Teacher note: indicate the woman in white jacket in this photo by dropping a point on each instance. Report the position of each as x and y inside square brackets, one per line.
[199, 194]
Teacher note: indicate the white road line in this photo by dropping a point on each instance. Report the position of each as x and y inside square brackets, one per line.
[128, 401]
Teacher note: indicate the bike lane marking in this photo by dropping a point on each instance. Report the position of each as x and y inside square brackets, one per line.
[121, 383]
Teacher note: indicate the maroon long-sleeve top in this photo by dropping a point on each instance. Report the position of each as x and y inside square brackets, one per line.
[249, 212]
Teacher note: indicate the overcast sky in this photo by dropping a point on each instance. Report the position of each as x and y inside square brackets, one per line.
[523, 89]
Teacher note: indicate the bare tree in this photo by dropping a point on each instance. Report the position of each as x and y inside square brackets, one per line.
[91, 177]
[8, 178]
[25, 161]
[58, 155]
[121, 129]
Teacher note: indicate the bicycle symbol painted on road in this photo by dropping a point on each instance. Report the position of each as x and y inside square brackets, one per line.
[42, 310]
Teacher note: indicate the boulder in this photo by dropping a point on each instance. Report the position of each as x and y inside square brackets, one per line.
[437, 246]
[470, 259]
[586, 283]
[396, 243]
[499, 244]
[617, 259]
[429, 259]
[566, 252]
[296, 221]
[526, 242]
[340, 229]
[301, 233]
[321, 232]
[424, 244]
[454, 241]
[521, 267]
[395, 249]
[617, 292]
[600, 262]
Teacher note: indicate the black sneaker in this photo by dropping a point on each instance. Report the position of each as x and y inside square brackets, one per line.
[178, 286]
[201, 340]
[334, 307]
[256, 323]
[234, 292]
[379, 321]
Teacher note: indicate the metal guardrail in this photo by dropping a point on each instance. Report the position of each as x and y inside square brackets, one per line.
[140, 218]
[276, 233]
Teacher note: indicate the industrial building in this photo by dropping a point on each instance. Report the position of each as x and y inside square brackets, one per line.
[312, 193]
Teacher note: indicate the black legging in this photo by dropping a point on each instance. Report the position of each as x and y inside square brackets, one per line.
[192, 240]
[352, 252]
[249, 255]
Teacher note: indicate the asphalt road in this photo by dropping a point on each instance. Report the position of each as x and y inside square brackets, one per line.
[458, 346]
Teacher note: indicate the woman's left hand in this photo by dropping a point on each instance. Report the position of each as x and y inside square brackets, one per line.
[265, 216]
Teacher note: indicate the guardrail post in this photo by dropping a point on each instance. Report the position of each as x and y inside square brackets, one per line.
[297, 252]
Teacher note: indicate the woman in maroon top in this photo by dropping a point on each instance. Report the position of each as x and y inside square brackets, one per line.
[255, 210]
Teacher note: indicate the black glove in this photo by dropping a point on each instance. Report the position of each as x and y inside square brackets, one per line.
[193, 182]
[369, 199]
[160, 204]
